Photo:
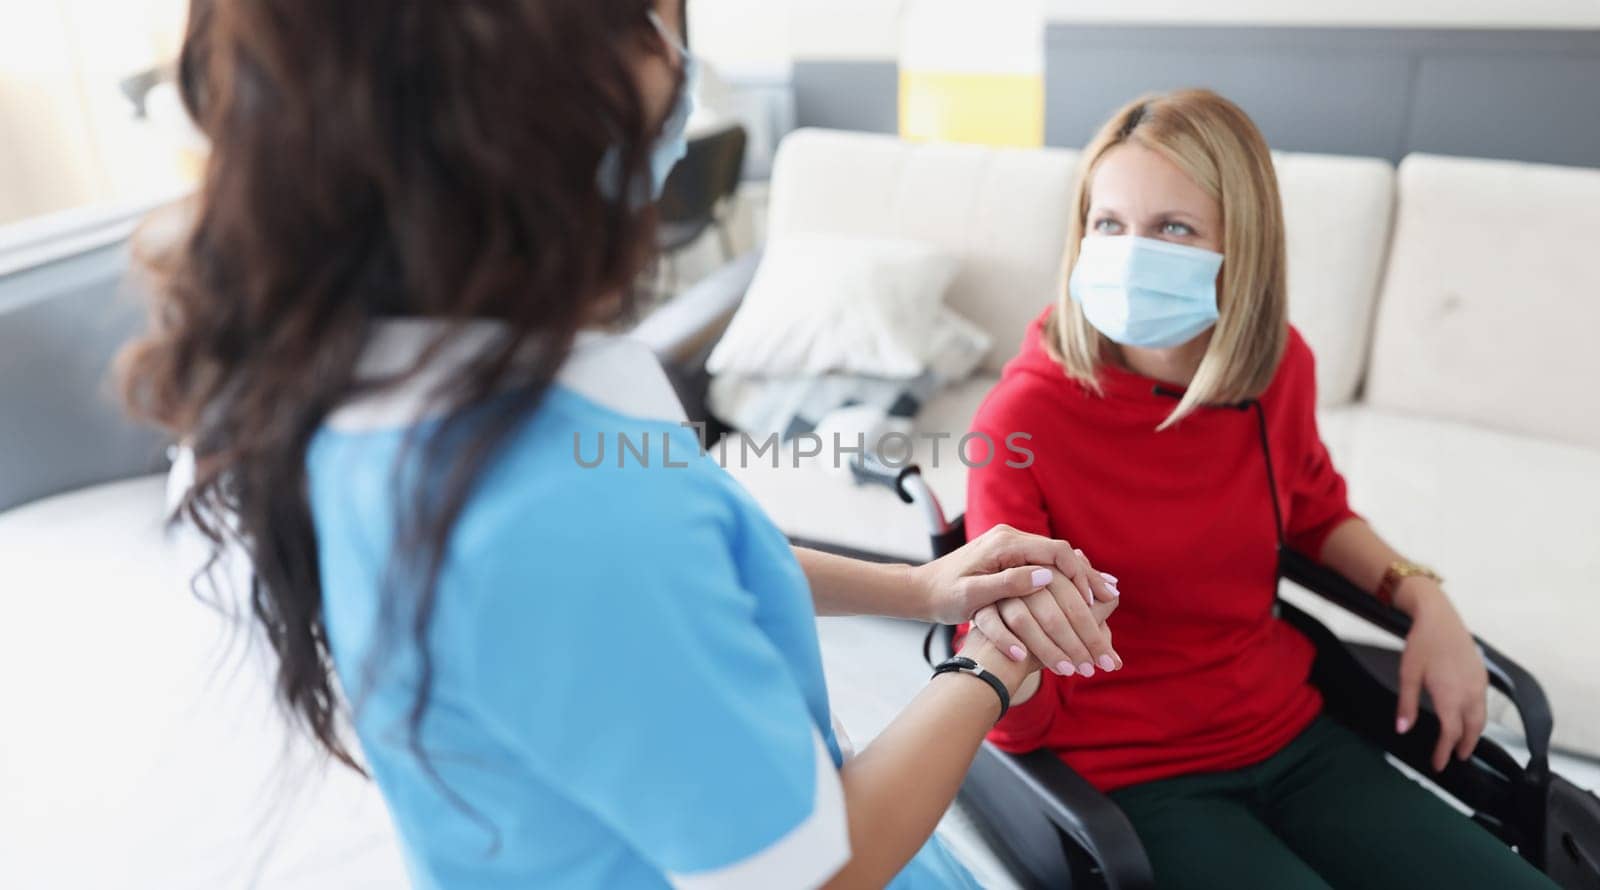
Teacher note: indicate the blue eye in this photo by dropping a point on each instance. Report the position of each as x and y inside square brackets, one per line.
[1177, 229]
[1107, 226]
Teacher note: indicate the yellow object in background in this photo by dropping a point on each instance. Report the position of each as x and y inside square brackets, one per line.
[973, 72]
[989, 109]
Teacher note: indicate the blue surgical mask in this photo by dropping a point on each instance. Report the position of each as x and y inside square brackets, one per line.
[1143, 292]
[673, 141]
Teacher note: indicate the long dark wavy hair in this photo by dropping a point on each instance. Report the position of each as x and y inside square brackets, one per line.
[409, 158]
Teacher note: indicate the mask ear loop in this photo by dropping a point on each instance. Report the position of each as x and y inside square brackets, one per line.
[667, 36]
[681, 46]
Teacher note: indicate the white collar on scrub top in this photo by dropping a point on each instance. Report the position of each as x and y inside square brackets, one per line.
[611, 370]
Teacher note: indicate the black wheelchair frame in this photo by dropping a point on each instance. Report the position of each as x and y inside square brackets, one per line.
[1053, 829]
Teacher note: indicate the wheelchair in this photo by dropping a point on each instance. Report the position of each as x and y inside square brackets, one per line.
[1052, 829]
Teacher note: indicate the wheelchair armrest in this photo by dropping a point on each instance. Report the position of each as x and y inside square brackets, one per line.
[1087, 816]
[1504, 674]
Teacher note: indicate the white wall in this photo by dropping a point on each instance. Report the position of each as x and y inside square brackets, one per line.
[756, 33]
[67, 135]
[47, 154]
[741, 34]
[845, 29]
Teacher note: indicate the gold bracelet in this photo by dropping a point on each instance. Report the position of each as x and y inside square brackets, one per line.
[1398, 571]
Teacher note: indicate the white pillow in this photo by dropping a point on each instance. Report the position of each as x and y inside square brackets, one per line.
[821, 303]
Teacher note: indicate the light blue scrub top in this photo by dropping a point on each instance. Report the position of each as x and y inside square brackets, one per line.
[627, 689]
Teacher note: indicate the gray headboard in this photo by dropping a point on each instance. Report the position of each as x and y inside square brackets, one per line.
[1379, 92]
[65, 310]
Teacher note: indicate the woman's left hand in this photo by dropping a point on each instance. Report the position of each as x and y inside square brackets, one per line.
[1441, 657]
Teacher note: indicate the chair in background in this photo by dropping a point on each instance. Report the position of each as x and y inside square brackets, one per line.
[698, 192]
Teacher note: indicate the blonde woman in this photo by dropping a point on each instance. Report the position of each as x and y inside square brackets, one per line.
[1159, 391]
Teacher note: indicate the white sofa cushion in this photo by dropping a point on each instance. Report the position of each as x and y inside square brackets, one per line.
[1492, 298]
[1510, 521]
[1002, 212]
[1337, 213]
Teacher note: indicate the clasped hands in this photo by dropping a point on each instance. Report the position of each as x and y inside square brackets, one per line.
[1036, 599]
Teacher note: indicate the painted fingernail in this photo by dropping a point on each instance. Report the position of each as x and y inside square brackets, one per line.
[1401, 725]
[1110, 578]
[1065, 669]
[1041, 577]
[1106, 664]
[1114, 590]
[1086, 669]
[1018, 653]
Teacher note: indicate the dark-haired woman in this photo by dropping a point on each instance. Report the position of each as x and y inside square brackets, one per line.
[380, 339]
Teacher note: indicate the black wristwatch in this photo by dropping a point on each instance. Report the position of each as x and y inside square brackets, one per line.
[963, 665]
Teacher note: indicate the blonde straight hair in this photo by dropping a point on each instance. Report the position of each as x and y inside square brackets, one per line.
[1215, 142]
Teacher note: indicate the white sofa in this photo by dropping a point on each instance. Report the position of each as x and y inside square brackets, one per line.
[1453, 306]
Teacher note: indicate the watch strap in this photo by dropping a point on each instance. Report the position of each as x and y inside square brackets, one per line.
[964, 665]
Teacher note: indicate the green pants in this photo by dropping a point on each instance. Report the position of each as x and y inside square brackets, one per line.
[1326, 811]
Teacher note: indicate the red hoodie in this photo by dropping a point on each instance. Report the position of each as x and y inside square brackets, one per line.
[1211, 680]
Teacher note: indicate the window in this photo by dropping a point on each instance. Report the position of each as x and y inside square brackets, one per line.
[70, 133]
